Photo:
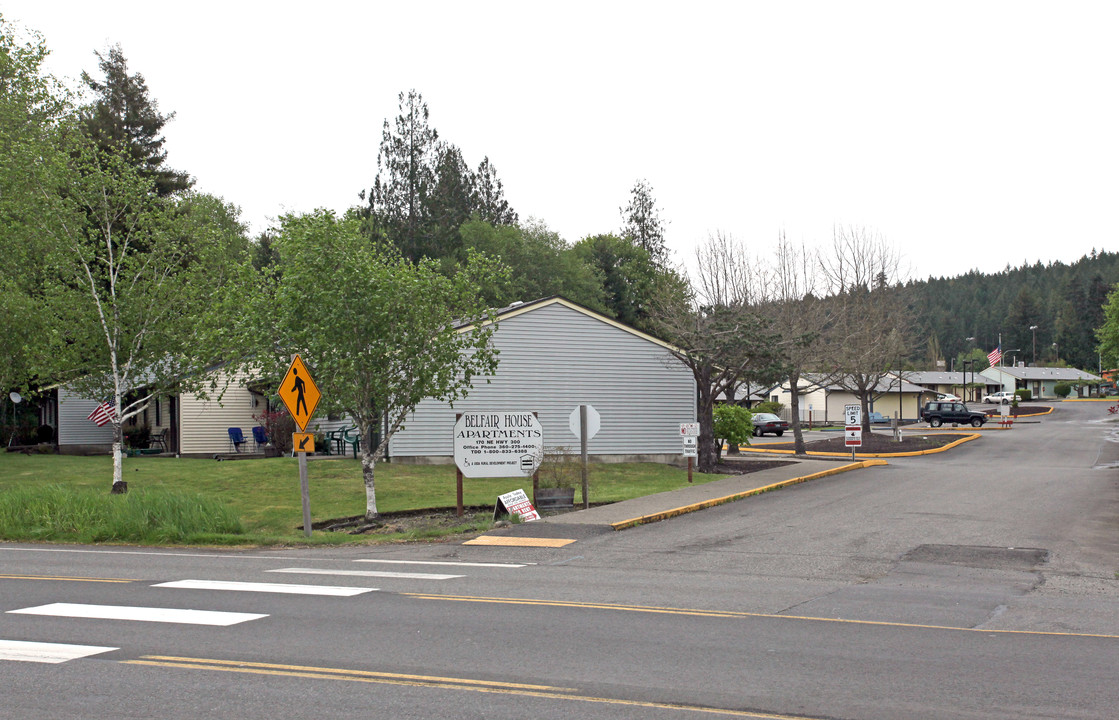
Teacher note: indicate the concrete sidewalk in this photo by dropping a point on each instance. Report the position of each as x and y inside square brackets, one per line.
[653, 508]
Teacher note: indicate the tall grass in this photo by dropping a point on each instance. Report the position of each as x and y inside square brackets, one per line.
[150, 516]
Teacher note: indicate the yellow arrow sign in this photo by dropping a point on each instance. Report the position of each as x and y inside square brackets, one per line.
[303, 442]
[300, 394]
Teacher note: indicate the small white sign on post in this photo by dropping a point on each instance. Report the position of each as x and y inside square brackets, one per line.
[691, 446]
[498, 444]
[852, 415]
[853, 436]
[516, 503]
[690, 429]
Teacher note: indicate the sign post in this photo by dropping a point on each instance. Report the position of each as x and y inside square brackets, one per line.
[853, 424]
[689, 432]
[301, 396]
[585, 423]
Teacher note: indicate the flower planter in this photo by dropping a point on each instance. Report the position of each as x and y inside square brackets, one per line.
[555, 498]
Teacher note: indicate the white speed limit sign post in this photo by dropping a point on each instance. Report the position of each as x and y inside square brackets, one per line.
[853, 421]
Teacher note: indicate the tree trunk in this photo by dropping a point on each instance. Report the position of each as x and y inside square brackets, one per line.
[367, 465]
[708, 460]
[119, 486]
[794, 408]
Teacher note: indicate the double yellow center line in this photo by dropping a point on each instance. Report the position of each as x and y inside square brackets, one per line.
[430, 681]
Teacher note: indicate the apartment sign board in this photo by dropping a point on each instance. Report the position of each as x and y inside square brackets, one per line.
[498, 444]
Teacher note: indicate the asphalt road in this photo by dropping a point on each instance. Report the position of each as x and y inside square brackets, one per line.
[980, 583]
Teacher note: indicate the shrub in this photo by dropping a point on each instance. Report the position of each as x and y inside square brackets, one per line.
[279, 426]
[768, 406]
[734, 424]
[1024, 394]
[1062, 389]
[561, 468]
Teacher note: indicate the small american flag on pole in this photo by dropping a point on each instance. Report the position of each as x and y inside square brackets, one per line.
[994, 356]
[103, 414]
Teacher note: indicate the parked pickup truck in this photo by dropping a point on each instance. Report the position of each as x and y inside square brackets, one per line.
[938, 413]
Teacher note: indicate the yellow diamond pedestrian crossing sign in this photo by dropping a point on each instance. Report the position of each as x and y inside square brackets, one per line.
[300, 394]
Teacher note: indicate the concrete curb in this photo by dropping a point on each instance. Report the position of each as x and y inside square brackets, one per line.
[967, 438]
[665, 514]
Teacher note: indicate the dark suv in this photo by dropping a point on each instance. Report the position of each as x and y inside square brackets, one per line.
[938, 413]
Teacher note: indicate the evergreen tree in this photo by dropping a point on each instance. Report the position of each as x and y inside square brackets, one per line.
[406, 177]
[642, 225]
[489, 197]
[450, 202]
[123, 115]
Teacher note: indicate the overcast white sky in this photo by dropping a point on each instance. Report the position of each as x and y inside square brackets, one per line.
[969, 134]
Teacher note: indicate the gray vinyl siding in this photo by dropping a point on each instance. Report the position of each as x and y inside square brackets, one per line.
[552, 359]
[74, 428]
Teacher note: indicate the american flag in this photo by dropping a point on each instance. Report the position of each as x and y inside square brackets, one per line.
[103, 414]
[994, 356]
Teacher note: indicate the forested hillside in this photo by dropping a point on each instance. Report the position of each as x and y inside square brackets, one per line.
[1064, 302]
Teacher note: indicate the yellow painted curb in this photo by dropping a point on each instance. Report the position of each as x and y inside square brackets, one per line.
[664, 515]
[966, 438]
[1047, 412]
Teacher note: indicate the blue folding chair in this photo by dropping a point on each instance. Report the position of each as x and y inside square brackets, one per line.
[236, 439]
[260, 437]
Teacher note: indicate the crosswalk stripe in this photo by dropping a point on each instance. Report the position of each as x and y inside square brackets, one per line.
[41, 652]
[331, 590]
[454, 564]
[367, 573]
[141, 614]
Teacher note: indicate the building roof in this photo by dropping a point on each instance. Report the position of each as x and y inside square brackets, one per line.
[1047, 373]
[812, 381]
[939, 377]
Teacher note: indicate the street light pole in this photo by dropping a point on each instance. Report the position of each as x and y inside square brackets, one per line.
[1033, 330]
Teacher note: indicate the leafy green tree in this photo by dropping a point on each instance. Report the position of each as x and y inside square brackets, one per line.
[123, 115]
[642, 224]
[32, 106]
[541, 264]
[381, 333]
[141, 285]
[629, 278]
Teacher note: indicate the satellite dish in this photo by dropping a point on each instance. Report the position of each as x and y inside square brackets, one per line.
[15, 397]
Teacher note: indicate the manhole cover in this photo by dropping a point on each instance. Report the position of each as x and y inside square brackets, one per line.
[994, 558]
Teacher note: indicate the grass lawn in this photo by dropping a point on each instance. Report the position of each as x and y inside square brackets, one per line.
[264, 493]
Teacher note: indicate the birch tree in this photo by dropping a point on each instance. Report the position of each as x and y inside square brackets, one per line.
[137, 284]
